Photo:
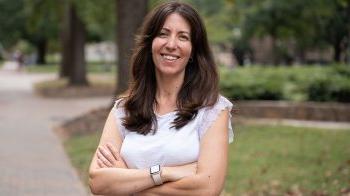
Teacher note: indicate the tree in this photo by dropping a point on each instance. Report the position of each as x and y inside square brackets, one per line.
[337, 28]
[313, 24]
[130, 15]
[42, 22]
[99, 19]
[83, 20]
[12, 22]
[73, 44]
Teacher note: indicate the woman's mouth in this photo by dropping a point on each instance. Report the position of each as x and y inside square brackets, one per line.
[169, 57]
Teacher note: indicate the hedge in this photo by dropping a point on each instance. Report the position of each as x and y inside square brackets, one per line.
[296, 83]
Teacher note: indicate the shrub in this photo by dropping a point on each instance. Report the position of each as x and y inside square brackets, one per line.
[249, 86]
[298, 83]
[333, 88]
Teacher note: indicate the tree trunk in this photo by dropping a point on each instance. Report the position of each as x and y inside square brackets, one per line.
[77, 75]
[73, 35]
[130, 15]
[66, 50]
[239, 53]
[301, 55]
[337, 51]
[275, 52]
[41, 48]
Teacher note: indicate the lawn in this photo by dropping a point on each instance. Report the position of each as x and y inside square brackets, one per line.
[267, 160]
[54, 68]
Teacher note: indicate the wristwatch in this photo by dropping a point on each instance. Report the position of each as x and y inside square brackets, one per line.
[155, 172]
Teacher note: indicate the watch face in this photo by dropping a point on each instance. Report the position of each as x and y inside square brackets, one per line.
[155, 169]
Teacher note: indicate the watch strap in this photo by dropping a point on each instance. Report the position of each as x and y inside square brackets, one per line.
[156, 176]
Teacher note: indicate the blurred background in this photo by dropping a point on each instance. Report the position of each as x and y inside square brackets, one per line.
[284, 64]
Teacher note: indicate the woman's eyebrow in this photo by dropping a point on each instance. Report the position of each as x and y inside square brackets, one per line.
[166, 29]
[184, 32]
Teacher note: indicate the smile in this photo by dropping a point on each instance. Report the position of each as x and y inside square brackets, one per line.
[169, 57]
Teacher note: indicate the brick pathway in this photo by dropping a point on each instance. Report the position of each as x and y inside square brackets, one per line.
[32, 159]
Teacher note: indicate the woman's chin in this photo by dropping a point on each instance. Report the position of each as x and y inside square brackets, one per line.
[170, 72]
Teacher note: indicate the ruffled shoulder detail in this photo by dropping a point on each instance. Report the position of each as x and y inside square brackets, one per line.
[119, 114]
[210, 114]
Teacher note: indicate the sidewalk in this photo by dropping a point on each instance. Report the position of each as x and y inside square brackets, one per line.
[32, 159]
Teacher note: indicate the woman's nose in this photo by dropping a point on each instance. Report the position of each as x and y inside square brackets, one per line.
[171, 43]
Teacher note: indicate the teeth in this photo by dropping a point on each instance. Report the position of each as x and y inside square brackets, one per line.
[170, 58]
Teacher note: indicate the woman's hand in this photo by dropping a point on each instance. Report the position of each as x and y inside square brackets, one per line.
[107, 156]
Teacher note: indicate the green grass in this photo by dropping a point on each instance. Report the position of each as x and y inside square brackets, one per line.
[95, 79]
[51, 68]
[80, 150]
[267, 159]
[54, 68]
[277, 158]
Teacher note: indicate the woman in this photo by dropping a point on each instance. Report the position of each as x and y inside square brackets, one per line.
[169, 134]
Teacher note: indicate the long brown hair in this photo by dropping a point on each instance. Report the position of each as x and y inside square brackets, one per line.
[200, 86]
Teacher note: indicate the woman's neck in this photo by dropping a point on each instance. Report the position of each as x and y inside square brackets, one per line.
[167, 90]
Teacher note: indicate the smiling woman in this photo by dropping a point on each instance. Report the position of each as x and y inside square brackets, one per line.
[172, 48]
[169, 133]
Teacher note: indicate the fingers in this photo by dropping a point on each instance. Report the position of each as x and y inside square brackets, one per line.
[101, 164]
[108, 155]
[101, 161]
[105, 156]
[114, 151]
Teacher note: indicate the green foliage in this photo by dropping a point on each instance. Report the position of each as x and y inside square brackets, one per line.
[38, 20]
[333, 88]
[24, 46]
[11, 22]
[100, 18]
[218, 17]
[243, 85]
[153, 3]
[315, 83]
[308, 24]
[42, 18]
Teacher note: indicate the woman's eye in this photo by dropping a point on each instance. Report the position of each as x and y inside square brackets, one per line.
[162, 34]
[184, 38]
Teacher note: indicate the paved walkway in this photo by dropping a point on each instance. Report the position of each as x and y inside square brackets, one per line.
[32, 159]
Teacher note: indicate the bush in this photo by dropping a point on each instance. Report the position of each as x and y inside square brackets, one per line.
[330, 89]
[299, 83]
[245, 86]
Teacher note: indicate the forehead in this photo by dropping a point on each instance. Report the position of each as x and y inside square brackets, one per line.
[176, 22]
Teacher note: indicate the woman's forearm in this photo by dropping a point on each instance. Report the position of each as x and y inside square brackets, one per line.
[129, 181]
[198, 184]
[119, 181]
[109, 175]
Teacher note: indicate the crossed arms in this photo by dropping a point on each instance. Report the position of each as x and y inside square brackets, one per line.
[109, 174]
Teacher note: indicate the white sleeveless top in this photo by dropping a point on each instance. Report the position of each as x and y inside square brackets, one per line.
[168, 146]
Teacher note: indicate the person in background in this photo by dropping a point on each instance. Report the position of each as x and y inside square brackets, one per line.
[169, 133]
[18, 57]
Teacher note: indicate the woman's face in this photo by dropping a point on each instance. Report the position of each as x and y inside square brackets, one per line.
[171, 48]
